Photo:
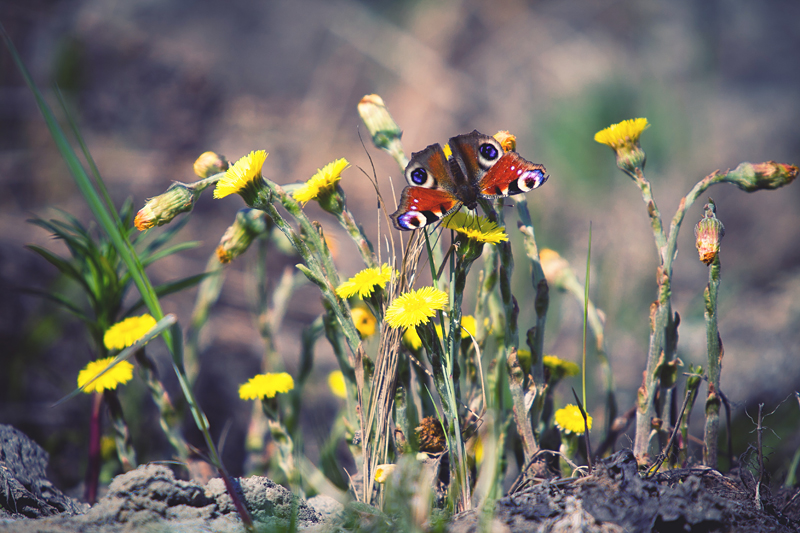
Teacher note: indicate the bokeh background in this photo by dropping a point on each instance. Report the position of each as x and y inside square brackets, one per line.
[153, 84]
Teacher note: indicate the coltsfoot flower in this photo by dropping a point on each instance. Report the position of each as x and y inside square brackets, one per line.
[507, 140]
[120, 374]
[365, 282]
[416, 307]
[364, 320]
[161, 209]
[623, 138]
[244, 178]
[560, 368]
[210, 163]
[337, 384]
[382, 472]
[266, 386]
[476, 228]
[322, 184]
[380, 124]
[570, 420]
[127, 332]
[709, 232]
[249, 224]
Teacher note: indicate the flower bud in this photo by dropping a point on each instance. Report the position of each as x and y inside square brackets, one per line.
[709, 232]
[210, 163]
[163, 208]
[754, 177]
[249, 224]
[380, 124]
[623, 138]
[507, 140]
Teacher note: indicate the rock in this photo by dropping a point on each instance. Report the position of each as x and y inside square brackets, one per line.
[25, 490]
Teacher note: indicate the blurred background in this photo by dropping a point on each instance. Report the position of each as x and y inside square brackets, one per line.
[153, 84]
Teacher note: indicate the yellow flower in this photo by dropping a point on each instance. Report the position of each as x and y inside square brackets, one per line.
[242, 177]
[266, 386]
[336, 383]
[382, 472]
[626, 133]
[560, 368]
[475, 227]
[120, 374]
[125, 333]
[365, 282]
[570, 420]
[507, 140]
[411, 339]
[364, 320]
[324, 179]
[415, 307]
[210, 163]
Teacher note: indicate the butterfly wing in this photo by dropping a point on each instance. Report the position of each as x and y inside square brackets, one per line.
[430, 195]
[512, 175]
[420, 206]
[492, 172]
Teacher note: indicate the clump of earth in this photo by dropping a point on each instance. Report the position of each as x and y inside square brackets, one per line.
[615, 498]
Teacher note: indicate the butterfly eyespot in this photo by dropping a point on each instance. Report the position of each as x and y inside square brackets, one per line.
[419, 176]
[488, 151]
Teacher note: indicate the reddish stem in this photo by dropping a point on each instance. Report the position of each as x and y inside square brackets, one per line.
[93, 469]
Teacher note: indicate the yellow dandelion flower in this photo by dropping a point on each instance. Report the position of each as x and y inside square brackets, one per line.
[415, 307]
[560, 368]
[125, 333]
[469, 326]
[120, 374]
[570, 420]
[626, 133]
[364, 320]
[325, 178]
[266, 386]
[382, 472]
[411, 339]
[365, 282]
[242, 176]
[337, 384]
[476, 228]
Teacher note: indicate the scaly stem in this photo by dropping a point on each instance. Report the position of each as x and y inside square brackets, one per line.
[715, 353]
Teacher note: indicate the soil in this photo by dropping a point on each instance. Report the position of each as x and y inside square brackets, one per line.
[615, 498]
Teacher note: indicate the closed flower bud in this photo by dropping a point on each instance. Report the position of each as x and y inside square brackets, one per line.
[755, 177]
[709, 232]
[380, 124]
[210, 163]
[249, 224]
[163, 208]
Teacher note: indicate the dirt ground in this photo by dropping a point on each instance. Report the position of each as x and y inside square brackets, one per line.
[615, 498]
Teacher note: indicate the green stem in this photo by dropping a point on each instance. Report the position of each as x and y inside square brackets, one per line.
[715, 354]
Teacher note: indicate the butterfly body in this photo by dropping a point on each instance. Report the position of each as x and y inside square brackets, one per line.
[478, 168]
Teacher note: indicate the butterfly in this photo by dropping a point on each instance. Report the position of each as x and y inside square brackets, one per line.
[478, 168]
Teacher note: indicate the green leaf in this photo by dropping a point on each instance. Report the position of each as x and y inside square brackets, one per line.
[61, 300]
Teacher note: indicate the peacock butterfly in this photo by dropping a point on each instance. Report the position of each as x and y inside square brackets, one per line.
[478, 168]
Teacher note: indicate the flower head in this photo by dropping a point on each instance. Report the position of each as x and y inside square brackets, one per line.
[125, 333]
[382, 472]
[266, 386]
[243, 178]
[476, 227]
[320, 183]
[709, 232]
[163, 208]
[411, 339]
[364, 320]
[120, 374]
[559, 368]
[624, 139]
[249, 224]
[415, 307]
[507, 140]
[337, 384]
[761, 176]
[380, 124]
[570, 420]
[365, 282]
[210, 163]
[469, 326]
